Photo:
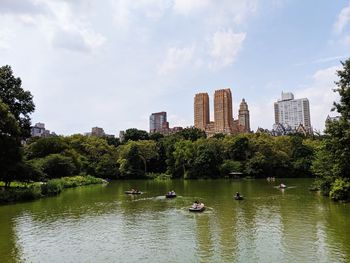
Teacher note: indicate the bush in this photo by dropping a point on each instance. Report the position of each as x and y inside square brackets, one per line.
[340, 190]
[230, 166]
[52, 187]
[158, 176]
[57, 165]
[20, 194]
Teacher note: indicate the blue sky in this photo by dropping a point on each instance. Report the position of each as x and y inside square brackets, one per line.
[112, 63]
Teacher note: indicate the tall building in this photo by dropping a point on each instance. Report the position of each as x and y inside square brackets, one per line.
[97, 131]
[292, 113]
[201, 110]
[157, 121]
[243, 116]
[223, 118]
[38, 130]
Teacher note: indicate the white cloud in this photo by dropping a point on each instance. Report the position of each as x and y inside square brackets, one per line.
[321, 96]
[225, 47]
[176, 58]
[127, 13]
[342, 20]
[185, 7]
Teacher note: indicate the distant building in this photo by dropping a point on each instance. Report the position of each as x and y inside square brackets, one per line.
[290, 112]
[121, 136]
[243, 116]
[38, 130]
[201, 111]
[97, 131]
[330, 119]
[223, 111]
[158, 121]
[223, 116]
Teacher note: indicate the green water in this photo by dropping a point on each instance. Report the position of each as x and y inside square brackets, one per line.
[102, 224]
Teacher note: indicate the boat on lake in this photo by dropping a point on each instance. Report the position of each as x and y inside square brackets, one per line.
[197, 207]
[170, 194]
[133, 192]
[282, 186]
[240, 197]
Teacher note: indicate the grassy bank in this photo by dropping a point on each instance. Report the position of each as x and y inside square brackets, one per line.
[25, 192]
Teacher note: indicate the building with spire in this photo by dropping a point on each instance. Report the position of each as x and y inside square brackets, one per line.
[243, 116]
[223, 116]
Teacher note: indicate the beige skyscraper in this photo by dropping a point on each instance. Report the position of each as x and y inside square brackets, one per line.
[223, 111]
[243, 116]
[201, 110]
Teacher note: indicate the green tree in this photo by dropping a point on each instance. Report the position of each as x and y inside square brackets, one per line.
[20, 102]
[57, 165]
[135, 135]
[10, 153]
[191, 134]
[45, 146]
[332, 163]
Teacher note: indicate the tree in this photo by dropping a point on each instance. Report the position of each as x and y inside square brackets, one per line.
[20, 102]
[332, 163]
[10, 143]
[45, 146]
[192, 134]
[57, 165]
[135, 135]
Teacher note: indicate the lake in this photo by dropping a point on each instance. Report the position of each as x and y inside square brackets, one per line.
[100, 223]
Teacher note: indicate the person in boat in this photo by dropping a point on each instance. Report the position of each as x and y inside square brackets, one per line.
[237, 195]
[195, 204]
[172, 192]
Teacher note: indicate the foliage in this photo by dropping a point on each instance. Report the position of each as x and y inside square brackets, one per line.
[57, 165]
[52, 187]
[20, 102]
[20, 194]
[10, 153]
[332, 162]
[229, 166]
[340, 190]
[45, 146]
[191, 134]
[135, 135]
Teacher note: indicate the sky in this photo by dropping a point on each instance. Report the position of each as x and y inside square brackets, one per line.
[111, 63]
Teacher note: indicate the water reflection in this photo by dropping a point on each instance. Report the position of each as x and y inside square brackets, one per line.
[102, 224]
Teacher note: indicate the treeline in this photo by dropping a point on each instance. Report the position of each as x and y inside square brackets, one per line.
[187, 154]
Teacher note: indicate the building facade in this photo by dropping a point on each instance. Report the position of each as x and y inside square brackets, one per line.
[38, 130]
[223, 114]
[201, 111]
[158, 121]
[223, 118]
[243, 116]
[97, 131]
[290, 112]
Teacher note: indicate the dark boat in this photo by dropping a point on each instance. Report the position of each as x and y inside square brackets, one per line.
[170, 195]
[238, 197]
[198, 208]
[133, 192]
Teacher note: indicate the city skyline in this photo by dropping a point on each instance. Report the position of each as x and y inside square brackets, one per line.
[111, 64]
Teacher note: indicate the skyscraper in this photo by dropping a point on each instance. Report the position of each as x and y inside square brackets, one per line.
[157, 121]
[243, 116]
[292, 112]
[223, 118]
[201, 110]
